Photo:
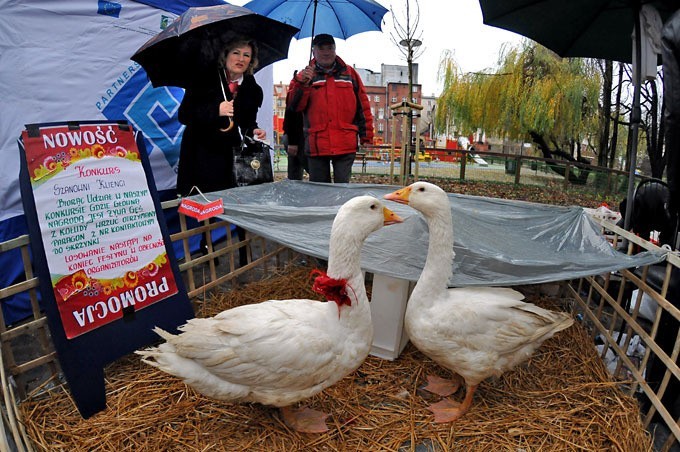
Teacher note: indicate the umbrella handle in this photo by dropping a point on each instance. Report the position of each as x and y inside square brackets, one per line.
[231, 126]
[224, 94]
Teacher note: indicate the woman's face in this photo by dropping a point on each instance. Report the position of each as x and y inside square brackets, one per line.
[238, 61]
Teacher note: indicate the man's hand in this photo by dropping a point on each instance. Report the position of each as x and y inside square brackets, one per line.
[305, 75]
[292, 150]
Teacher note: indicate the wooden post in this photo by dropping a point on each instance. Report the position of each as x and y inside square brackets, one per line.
[404, 109]
[518, 168]
[405, 157]
[394, 137]
[463, 164]
[417, 156]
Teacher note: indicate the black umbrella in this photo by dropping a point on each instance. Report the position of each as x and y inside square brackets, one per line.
[583, 28]
[193, 41]
[670, 51]
[575, 28]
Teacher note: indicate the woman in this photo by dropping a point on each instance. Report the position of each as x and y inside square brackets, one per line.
[206, 155]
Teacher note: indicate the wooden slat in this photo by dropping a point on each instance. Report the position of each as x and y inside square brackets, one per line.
[18, 288]
[656, 402]
[34, 363]
[24, 328]
[14, 243]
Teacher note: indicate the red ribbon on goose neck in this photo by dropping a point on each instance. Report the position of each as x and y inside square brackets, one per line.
[331, 288]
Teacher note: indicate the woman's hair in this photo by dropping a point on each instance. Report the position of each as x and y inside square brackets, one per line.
[239, 42]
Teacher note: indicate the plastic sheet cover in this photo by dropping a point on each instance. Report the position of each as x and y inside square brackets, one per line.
[496, 241]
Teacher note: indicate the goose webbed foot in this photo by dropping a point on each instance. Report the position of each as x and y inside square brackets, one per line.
[305, 420]
[447, 410]
[442, 386]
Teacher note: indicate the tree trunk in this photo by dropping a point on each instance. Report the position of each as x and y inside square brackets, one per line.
[617, 114]
[576, 175]
[605, 113]
[654, 139]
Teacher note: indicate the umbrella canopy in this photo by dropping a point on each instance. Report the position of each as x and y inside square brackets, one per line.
[575, 28]
[340, 18]
[583, 28]
[670, 50]
[194, 40]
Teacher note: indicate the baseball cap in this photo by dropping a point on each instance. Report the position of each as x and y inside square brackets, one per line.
[322, 39]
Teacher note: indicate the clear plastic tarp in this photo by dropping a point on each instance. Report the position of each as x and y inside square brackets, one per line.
[497, 241]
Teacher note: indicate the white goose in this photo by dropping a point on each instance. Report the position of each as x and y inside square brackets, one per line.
[279, 352]
[475, 332]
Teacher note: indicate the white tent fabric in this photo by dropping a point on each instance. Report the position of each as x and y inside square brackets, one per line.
[63, 61]
[497, 242]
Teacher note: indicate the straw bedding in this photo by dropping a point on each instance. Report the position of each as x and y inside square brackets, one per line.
[562, 400]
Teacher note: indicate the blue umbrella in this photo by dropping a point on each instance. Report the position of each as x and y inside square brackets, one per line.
[339, 18]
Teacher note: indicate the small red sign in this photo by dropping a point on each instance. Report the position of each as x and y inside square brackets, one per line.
[199, 211]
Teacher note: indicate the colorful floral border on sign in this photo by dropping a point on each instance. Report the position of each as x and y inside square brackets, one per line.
[103, 243]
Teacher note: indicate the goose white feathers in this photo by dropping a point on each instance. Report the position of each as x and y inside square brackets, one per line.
[279, 352]
[476, 332]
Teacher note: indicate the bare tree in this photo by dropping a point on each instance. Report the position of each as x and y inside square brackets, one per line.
[407, 38]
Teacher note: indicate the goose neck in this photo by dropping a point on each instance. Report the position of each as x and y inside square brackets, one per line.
[437, 270]
[344, 262]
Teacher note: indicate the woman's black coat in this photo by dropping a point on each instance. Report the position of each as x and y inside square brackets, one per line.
[206, 156]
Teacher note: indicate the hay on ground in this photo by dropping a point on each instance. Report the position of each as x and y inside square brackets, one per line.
[562, 399]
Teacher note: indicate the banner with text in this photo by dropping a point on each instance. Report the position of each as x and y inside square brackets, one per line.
[105, 251]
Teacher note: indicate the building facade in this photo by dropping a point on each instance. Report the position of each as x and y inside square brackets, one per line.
[426, 120]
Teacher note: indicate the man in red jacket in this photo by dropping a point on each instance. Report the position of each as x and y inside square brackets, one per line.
[337, 113]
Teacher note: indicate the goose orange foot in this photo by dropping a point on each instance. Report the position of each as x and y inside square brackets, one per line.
[447, 410]
[305, 420]
[442, 386]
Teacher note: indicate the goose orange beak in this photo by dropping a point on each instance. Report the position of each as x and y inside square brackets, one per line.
[401, 196]
[391, 217]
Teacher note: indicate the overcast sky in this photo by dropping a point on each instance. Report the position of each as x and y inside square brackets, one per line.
[454, 25]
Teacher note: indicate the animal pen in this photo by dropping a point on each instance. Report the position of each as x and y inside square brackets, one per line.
[590, 388]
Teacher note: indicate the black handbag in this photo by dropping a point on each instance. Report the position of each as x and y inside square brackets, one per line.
[252, 163]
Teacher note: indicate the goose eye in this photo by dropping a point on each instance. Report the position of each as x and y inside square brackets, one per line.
[421, 189]
[372, 206]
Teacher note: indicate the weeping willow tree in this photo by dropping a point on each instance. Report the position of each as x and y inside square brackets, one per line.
[531, 95]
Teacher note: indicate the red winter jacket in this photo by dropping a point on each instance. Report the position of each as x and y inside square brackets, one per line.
[337, 114]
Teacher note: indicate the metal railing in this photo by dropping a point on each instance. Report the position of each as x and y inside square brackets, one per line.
[475, 165]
